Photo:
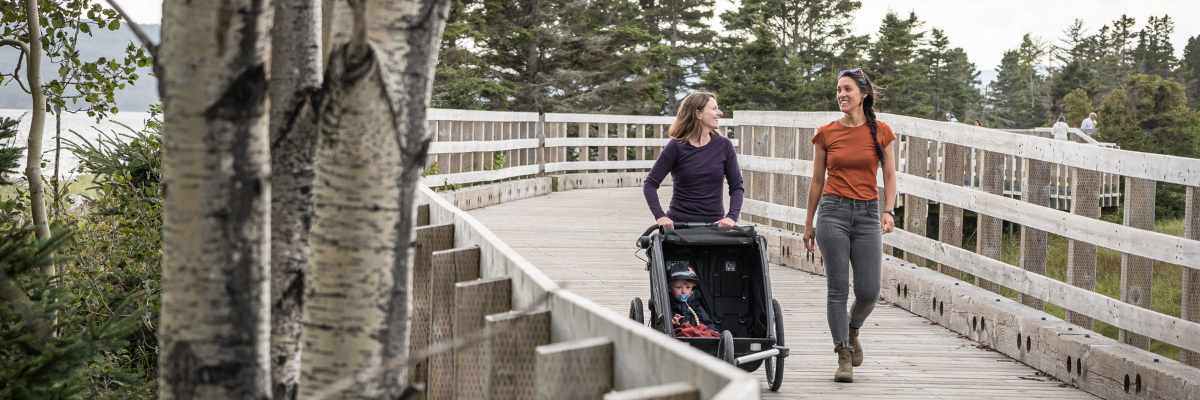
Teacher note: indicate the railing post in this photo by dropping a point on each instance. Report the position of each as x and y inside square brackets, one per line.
[541, 131]
[455, 159]
[640, 151]
[512, 340]
[1081, 256]
[658, 133]
[428, 240]
[1190, 310]
[950, 218]
[474, 300]
[1036, 191]
[581, 369]
[990, 239]
[670, 391]
[916, 209]
[622, 151]
[1136, 272]
[449, 267]
[602, 154]
[883, 193]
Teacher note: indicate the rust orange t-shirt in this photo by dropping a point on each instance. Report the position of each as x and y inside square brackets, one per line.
[850, 158]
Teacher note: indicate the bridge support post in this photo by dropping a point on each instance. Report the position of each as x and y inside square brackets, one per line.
[581, 369]
[1191, 277]
[428, 240]
[449, 267]
[916, 209]
[950, 218]
[1036, 190]
[1137, 272]
[1081, 256]
[512, 340]
[762, 180]
[989, 240]
[622, 151]
[473, 300]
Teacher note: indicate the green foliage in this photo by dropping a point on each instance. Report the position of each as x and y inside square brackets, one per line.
[758, 75]
[94, 82]
[895, 67]
[549, 56]
[684, 35]
[1154, 54]
[10, 157]
[83, 358]
[951, 78]
[1016, 95]
[1189, 71]
[498, 159]
[816, 33]
[1073, 77]
[1078, 106]
[432, 170]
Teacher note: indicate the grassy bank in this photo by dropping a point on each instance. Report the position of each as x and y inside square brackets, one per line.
[1166, 287]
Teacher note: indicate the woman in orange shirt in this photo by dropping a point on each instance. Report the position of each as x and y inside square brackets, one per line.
[850, 230]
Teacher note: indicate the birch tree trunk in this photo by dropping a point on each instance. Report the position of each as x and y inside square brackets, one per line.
[215, 327]
[37, 123]
[373, 139]
[295, 79]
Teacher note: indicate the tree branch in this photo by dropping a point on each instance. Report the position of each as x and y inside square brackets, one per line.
[24, 51]
[137, 30]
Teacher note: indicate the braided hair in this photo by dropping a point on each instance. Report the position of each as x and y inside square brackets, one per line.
[868, 104]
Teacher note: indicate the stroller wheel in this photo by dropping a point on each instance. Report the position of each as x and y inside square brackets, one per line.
[725, 348]
[775, 364]
[635, 311]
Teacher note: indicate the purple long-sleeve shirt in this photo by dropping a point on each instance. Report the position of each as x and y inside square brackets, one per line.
[697, 173]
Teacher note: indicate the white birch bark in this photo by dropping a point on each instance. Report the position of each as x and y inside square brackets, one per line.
[295, 79]
[370, 155]
[37, 124]
[214, 333]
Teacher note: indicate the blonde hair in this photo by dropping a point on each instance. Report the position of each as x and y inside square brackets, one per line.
[686, 120]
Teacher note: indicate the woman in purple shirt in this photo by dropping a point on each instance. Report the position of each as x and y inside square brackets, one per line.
[698, 159]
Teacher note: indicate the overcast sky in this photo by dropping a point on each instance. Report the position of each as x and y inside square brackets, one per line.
[985, 29]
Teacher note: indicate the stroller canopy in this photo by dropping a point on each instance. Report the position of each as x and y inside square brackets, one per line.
[736, 236]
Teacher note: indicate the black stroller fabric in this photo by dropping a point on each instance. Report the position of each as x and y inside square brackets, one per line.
[731, 276]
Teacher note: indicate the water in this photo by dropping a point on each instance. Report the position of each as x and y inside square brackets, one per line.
[72, 125]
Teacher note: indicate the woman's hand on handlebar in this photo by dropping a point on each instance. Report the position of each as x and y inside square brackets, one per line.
[664, 221]
[810, 238]
[725, 223]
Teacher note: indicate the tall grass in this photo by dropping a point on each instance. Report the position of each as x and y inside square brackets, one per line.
[1166, 291]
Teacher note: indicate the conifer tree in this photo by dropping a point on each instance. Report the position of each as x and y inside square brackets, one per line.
[897, 70]
[1078, 107]
[952, 77]
[1189, 72]
[758, 74]
[817, 32]
[685, 36]
[1154, 54]
[1014, 96]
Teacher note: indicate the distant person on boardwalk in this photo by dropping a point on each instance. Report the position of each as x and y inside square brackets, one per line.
[698, 159]
[950, 118]
[1089, 123]
[851, 227]
[1060, 129]
[979, 124]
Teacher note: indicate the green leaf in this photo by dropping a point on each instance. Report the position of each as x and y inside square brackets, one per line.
[85, 28]
[63, 71]
[116, 24]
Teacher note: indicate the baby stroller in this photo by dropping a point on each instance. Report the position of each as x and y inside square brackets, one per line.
[735, 288]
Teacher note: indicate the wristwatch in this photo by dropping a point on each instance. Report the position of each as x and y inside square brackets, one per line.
[893, 212]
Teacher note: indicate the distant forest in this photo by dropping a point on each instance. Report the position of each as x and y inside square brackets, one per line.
[641, 57]
[101, 43]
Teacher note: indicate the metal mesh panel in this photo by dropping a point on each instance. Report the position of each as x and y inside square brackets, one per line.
[1081, 256]
[950, 219]
[472, 302]
[429, 239]
[1136, 271]
[449, 267]
[916, 209]
[783, 189]
[1033, 242]
[1191, 278]
[512, 358]
[990, 236]
[805, 149]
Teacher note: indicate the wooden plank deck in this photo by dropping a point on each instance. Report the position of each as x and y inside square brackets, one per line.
[584, 240]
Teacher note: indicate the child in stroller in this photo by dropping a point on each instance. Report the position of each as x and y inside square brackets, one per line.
[685, 306]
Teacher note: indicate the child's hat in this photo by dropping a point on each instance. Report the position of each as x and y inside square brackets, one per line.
[682, 271]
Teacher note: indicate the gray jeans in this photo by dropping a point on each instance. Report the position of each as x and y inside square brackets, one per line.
[848, 234]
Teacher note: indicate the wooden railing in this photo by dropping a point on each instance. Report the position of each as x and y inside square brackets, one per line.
[472, 147]
[776, 163]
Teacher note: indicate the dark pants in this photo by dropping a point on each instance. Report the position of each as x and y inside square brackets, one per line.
[848, 233]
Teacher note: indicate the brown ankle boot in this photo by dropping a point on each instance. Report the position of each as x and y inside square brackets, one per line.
[845, 371]
[857, 356]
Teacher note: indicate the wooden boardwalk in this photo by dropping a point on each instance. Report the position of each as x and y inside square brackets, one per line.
[584, 240]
